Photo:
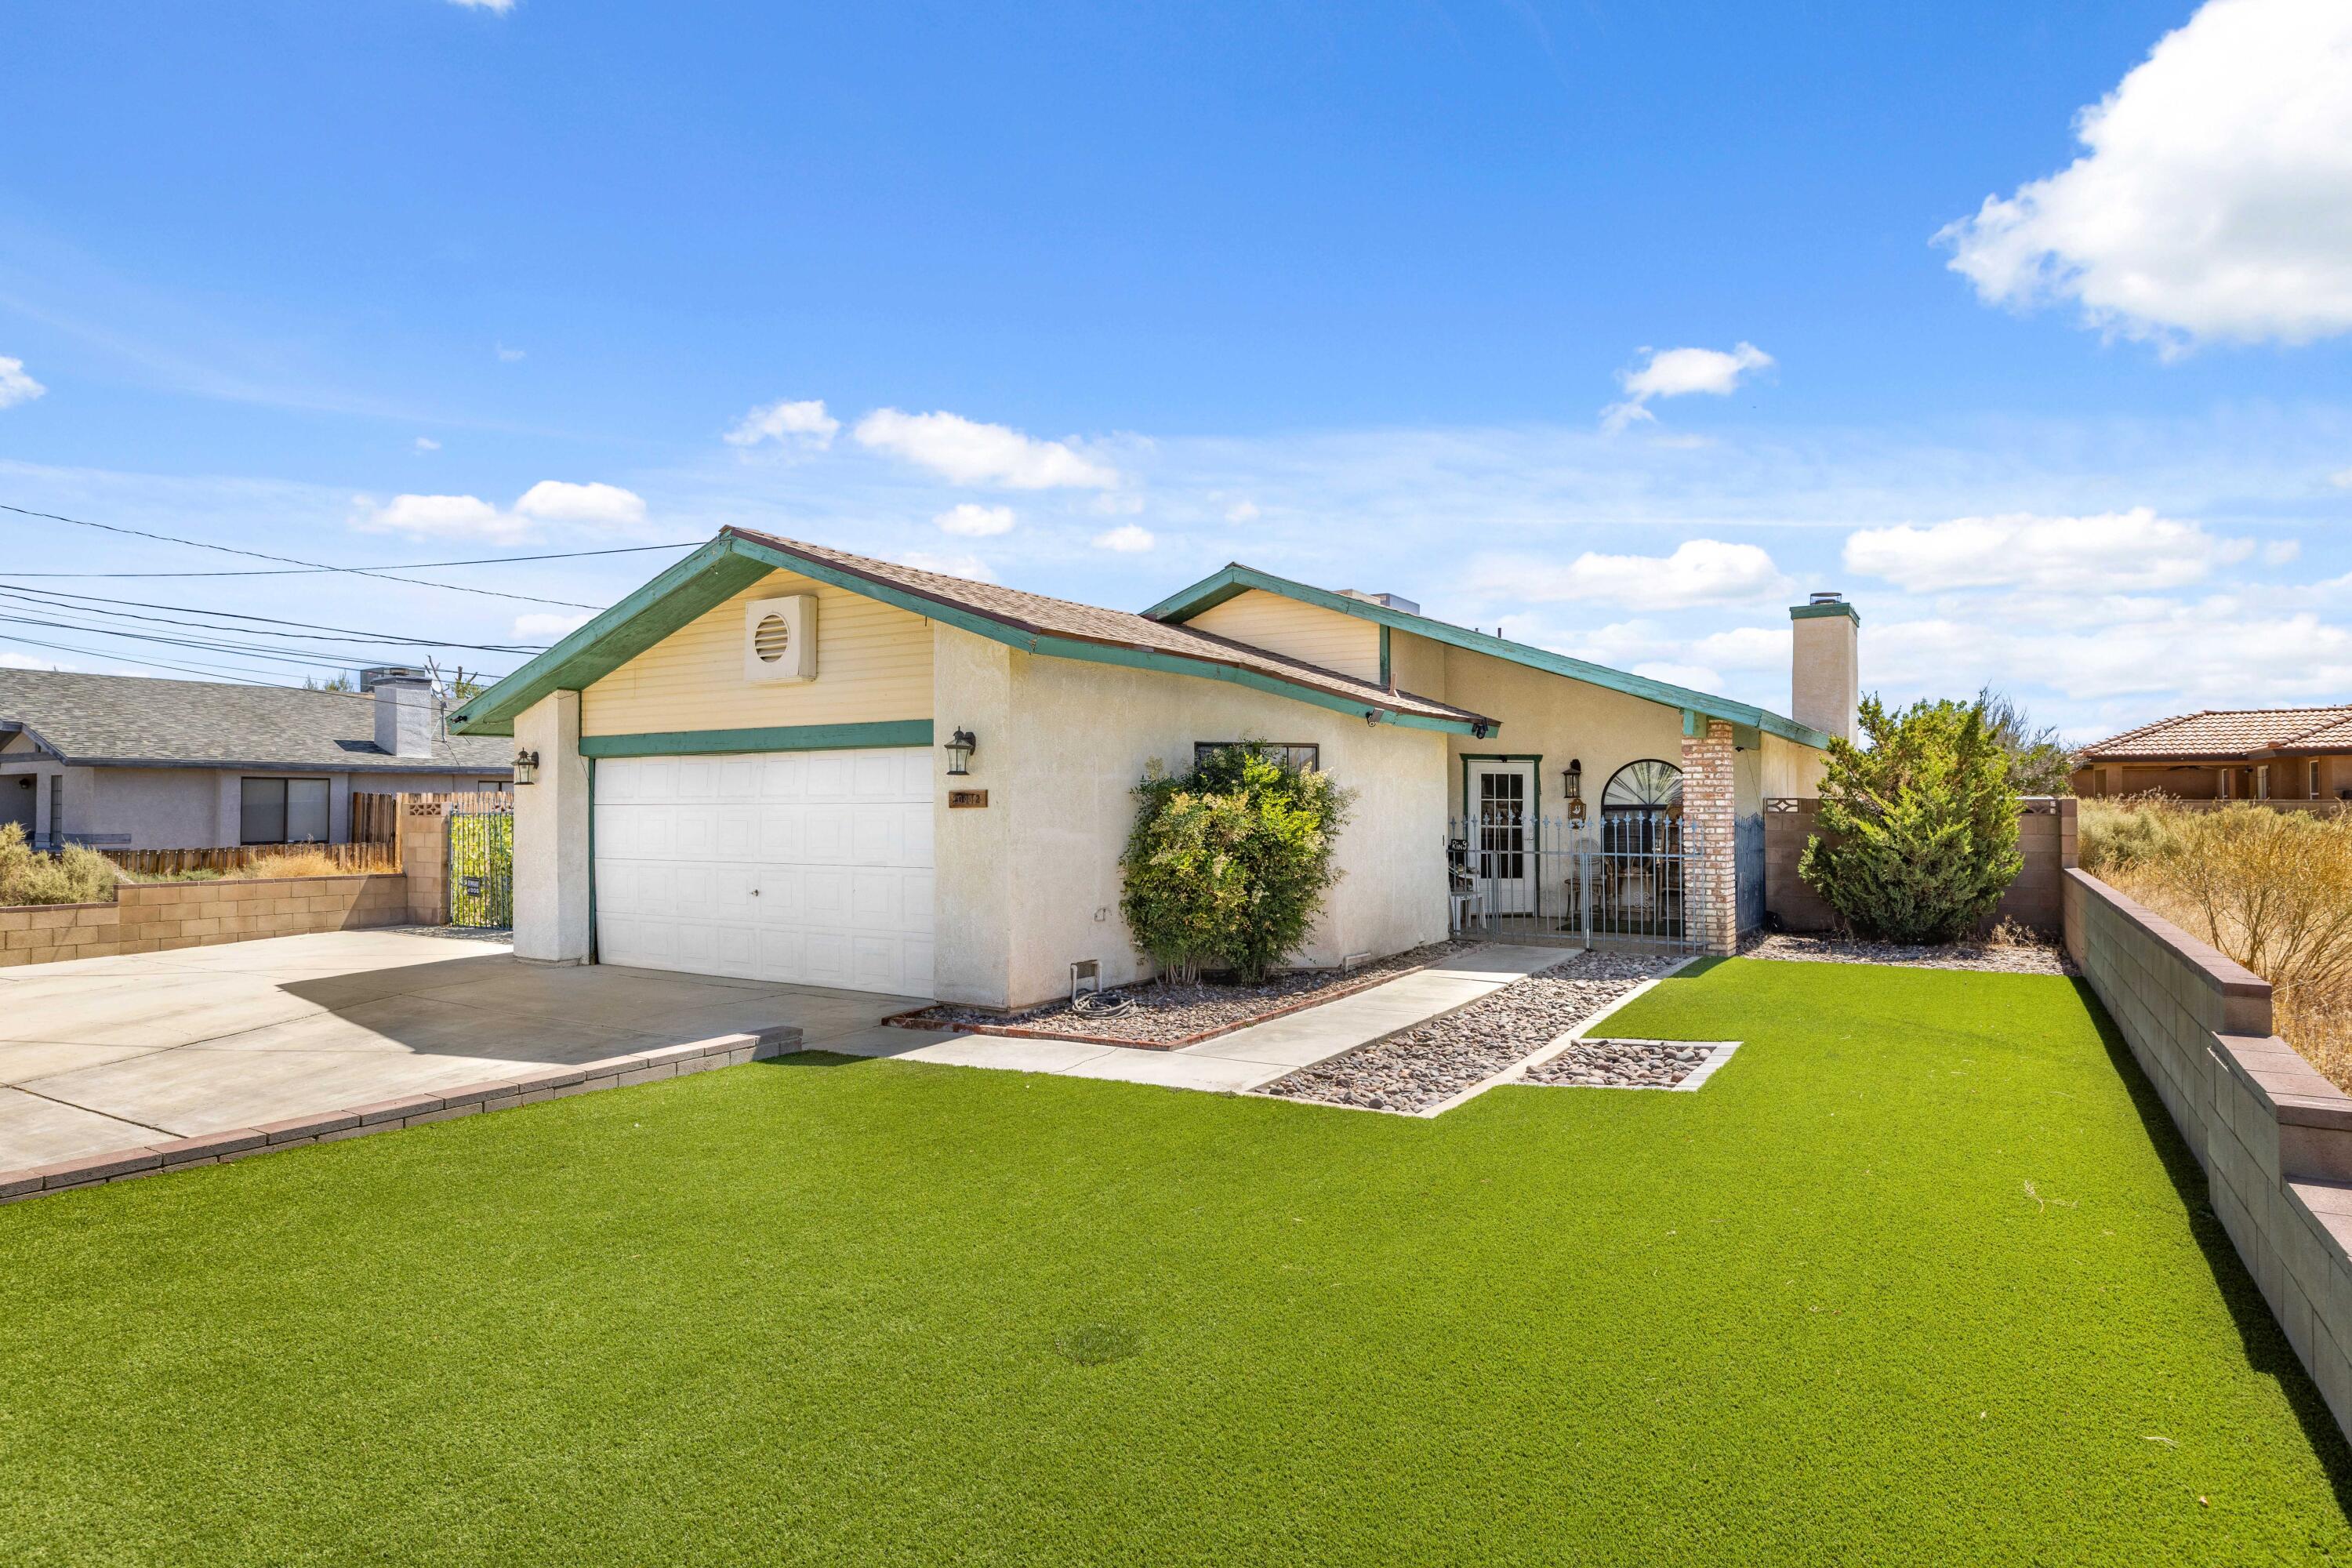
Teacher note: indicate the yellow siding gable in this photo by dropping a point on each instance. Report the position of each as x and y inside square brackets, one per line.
[872, 664]
[1344, 643]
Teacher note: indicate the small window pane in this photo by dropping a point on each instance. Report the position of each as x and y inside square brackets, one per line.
[1305, 758]
[306, 811]
[263, 811]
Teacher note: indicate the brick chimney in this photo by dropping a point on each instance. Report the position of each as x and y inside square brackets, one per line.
[1825, 680]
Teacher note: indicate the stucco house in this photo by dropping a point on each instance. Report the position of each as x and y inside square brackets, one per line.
[124, 761]
[2245, 753]
[783, 761]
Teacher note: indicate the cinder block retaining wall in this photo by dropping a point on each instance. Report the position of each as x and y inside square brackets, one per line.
[2275, 1137]
[154, 917]
[2045, 837]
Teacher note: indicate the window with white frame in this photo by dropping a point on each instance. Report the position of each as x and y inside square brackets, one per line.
[1305, 757]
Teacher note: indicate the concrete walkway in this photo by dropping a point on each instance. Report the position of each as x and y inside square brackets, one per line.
[1244, 1060]
[100, 1054]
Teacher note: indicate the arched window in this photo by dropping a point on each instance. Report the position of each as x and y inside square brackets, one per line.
[1648, 786]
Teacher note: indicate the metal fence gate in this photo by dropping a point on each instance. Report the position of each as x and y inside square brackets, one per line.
[1635, 875]
[482, 868]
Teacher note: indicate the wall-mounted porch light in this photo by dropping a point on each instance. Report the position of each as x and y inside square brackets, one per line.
[1572, 780]
[526, 768]
[961, 746]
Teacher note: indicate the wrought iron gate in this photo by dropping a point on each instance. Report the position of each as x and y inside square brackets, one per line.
[1635, 875]
[482, 868]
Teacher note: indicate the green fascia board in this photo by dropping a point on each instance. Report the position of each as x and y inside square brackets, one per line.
[730, 563]
[1812, 612]
[1236, 579]
[775, 738]
[710, 576]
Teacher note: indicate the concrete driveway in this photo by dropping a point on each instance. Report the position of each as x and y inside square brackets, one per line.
[102, 1053]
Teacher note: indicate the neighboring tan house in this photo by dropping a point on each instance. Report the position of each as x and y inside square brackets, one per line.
[123, 762]
[2247, 753]
[780, 760]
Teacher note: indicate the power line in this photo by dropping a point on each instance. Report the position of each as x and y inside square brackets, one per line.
[399, 567]
[245, 677]
[294, 561]
[47, 598]
[308, 659]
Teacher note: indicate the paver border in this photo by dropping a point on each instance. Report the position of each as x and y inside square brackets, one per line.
[390, 1115]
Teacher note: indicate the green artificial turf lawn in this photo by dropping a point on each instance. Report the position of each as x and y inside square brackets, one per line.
[1921, 1276]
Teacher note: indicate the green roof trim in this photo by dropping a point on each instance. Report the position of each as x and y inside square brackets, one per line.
[1812, 612]
[732, 563]
[777, 738]
[1236, 580]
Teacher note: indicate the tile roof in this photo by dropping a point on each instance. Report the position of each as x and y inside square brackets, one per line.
[2228, 732]
[1038, 614]
[97, 718]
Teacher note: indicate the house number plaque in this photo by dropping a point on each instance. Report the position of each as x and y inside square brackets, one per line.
[963, 799]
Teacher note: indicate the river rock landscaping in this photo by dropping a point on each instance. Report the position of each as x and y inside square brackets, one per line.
[1432, 1062]
[2024, 955]
[1158, 1016]
[1623, 1064]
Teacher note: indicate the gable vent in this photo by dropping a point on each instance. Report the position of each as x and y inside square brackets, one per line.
[780, 638]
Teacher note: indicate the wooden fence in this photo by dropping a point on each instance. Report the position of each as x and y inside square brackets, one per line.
[375, 818]
[347, 858]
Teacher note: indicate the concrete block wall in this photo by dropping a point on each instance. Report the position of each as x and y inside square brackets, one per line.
[157, 917]
[2045, 837]
[2273, 1136]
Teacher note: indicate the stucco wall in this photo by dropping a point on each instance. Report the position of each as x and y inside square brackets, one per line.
[1557, 719]
[1417, 664]
[874, 664]
[1032, 881]
[1348, 643]
[551, 836]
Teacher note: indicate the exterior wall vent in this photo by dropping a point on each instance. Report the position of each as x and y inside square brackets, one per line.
[780, 638]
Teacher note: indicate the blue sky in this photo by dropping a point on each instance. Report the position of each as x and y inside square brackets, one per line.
[1614, 325]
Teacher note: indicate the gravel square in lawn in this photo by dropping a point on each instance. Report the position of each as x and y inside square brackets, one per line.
[1626, 1064]
[1430, 1063]
[1162, 1017]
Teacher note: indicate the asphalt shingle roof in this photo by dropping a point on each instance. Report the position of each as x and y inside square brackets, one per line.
[2228, 732]
[1064, 618]
[100, 719]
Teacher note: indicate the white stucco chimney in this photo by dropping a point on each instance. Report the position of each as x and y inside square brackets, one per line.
[1825, 682]
[407, 714]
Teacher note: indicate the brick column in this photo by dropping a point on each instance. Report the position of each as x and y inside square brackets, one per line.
[425, 857]
[1711, 866]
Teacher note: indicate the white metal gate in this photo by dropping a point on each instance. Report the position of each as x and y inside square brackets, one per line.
[1635, 875]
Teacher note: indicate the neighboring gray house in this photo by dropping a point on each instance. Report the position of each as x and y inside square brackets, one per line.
[123, 762]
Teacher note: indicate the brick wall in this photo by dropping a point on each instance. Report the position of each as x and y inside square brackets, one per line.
[158, 916]
[2045, 837]
[2275, 1137]
[424, 848]
[1710, 806]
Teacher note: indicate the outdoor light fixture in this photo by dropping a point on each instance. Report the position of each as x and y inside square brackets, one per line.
[1573, 778]
[961, 746]
[526, 768]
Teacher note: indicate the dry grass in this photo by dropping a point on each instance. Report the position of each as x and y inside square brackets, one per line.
[2271, 888]
[72, 876]
[294, 863]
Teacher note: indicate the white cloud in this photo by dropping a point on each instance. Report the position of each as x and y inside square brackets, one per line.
[2172, 657]
[16, 386]
[1697, 676]
[970, 453]
[596, 505]
[1127, 538]
[442, 517]
[975, 522]
[967, 566]
[500, 7]
[807, 423]
[1746, 647]
[505, 353]
[427, 443]
[2279, 551]
[2125, 551]
[1242, 511]
[2215, 196]
[545, 627]
[1699, 571]
[1677, 372]
[26, 661]
[2341, 479]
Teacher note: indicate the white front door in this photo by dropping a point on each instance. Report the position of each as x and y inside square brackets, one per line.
[1503, 816]
[808, 866]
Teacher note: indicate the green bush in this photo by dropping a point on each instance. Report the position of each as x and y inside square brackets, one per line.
[1919, 829]
[72, 876]
[1227, 864]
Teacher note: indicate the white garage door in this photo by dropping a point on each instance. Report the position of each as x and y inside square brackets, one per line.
[808, 867]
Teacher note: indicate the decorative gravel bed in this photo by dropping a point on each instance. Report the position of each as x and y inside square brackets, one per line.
[1623, 1064]
[2009, 958]
[1417, 1067]
[1162, 1016]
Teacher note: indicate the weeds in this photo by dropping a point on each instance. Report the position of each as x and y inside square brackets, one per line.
[71, 876]
[2271, 888]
